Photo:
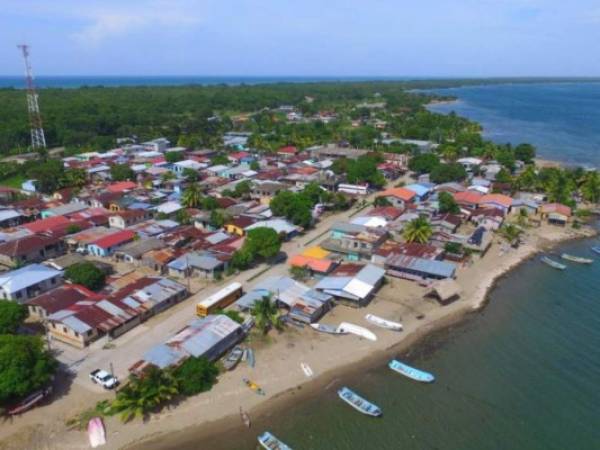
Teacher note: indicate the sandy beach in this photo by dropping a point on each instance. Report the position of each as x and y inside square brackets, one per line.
[279, 357]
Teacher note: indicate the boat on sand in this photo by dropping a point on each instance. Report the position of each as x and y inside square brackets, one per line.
[324, 328]
[270, 442]
[96, 432]
[411, 372]
[384, 323]
[307, 370]
[346, 327]
[233, 358]
[359, 403]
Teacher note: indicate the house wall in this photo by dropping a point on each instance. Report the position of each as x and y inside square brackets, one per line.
[33, 290]
[65, 334]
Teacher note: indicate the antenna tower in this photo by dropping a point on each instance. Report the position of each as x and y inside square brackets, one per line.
[38, 140]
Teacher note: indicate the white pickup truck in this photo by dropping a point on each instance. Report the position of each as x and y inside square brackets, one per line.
[104, 378]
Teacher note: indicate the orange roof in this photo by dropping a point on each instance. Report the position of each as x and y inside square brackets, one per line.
[556, 208]
[318, 265]
[121, 186]
[399, 192]
[499, 199]
[468, 197]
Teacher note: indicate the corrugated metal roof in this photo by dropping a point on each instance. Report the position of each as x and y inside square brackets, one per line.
[76, 325]
[428, 266]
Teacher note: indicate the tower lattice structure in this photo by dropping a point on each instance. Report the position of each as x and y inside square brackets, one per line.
[38, 139]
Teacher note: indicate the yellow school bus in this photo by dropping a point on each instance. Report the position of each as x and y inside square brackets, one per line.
[220, 299]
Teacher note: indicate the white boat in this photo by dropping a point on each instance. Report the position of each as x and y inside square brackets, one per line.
[307, 370]
[324, 328]
[552, 263]
[346, 327]
[96, 432]
[383, 323]
[359, 403]
[270, 442]
[577, 259]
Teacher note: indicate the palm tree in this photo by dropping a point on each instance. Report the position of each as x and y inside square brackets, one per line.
[510, 232]
[266, 314]
[418, 230]
[590, 189]
[144, 394]
[192, 196]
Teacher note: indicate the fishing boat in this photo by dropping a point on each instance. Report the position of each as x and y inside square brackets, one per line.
[383, 323]
[245, 417]
[323, 328]
[250, 357]
[252, 385]
[30, 401]
[552, 263]
[359, 403]
[96, 432]
[576, 259]
[411, 372]
[270, 442]
[233, 358]
[596, 249]
[346, 327]
[307, 370]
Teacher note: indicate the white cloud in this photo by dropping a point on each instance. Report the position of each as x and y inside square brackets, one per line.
[109, 22]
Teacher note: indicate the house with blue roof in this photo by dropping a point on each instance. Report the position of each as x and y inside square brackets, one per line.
[421, 190]
[27, 282]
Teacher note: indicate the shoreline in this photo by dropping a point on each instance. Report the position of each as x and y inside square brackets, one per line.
[417, 340]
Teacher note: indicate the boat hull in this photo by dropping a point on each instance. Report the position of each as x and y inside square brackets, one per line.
[270, 442]
[410, 372]
[383, 323]
[96, 432]
[346, 327]
[360, 404]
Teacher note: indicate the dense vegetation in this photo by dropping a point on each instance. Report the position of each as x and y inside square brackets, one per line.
[86, 274]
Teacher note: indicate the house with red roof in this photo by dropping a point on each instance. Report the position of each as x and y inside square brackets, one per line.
[398, 197]
[107, 245]
[556, 213]
[50, 224]
[499, 201]
[121, 186]
[288, 151]
[468, 199]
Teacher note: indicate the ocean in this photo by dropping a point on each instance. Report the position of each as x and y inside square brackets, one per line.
[561, 119]
[521, 375]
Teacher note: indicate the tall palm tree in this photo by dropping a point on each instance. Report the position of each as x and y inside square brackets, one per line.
[590, 189]
[266, 314]
[418, 230]
[192, 196]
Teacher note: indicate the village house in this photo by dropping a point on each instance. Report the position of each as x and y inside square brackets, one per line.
[399, 197]
[489, 218]
[418, 269]
[264, 191]
[27, 282]
[59, 298]
[158, 260]
[29, 249]
[355, 241]
[352, 284]
[499, 201]
[133, 252]
[556, 213]
[129, 217]
[203, 264]
[238, 225]
[10, 218]
[107, 245]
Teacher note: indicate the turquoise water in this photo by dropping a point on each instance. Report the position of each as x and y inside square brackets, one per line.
[523, 374]
[561, 119]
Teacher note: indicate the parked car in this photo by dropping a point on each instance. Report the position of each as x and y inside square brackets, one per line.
[104, 378]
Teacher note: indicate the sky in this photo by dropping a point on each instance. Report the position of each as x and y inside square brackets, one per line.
[423, 38]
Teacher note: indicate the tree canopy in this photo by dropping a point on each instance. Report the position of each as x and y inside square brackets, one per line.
[447, 204]
[12, 315]
[121, 172]
[86, 274]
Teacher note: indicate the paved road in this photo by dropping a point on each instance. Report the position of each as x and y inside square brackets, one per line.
[124, 351]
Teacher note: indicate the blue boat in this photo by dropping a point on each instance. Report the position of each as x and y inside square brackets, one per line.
[411, 372]
[270, 442]
[359, 403]
[596, 249]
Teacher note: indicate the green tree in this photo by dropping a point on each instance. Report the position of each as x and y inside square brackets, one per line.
[121, 172]
[447, 204]
[381, 201]
[217, 219]
[86, 274]
[444, 173]
[417, 230]
[525, 153]
[503, 176]
[263, 242]
[219, 159]
[192, 196]
[242, 189]
[183, 217]
[510, 232]
[210, 203]
[12, 315]
[25, 365]
[232, 314]
[76, 178]
[73, 228]
[299, 273]
[196, 375]
[453, 247]
[266, 315]
[48, 175]
[190, 175]
[590, 189]
[173, 157]
[242, 259]
[424, 163]
[254, 165]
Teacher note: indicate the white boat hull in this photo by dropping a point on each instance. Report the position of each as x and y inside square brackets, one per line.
[346, 327]
[307, 370]
[383, 323]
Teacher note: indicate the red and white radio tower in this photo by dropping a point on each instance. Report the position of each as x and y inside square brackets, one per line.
[38, 140]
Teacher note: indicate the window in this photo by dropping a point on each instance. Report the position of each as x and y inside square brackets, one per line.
[64, 329]
[19, 294]
[53, 281]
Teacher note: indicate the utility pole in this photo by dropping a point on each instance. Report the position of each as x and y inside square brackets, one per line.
[38, 139]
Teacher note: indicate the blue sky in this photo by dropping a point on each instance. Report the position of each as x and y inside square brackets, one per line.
[303, 37]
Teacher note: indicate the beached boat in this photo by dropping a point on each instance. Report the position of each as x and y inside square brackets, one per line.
[233, 358]
[411, 372]
[552, 263]
[596, 249]
[245, 418]
[252, 385]
[577, 259]
[270, 442]
[30, 401]
[250, 357]
[346, 327]
[324, 328]
[384, 323]
[359, 403]
[96, 432]
[306, 369]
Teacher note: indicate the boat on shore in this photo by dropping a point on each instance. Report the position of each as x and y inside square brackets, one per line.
[576, 259]
[411, 372]
[384, 323]
[346, 327]
[253, 386]
[96, 432]
[270, 442]
[596, 249]
[233, 358]
[250, 357]
[307, 370]
[324, 328]
[30, 401]
[552, 263]
[359, 403]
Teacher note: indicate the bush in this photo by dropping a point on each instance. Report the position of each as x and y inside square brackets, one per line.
[12, 315]
[196, 375]
[445, 173]
[86, 274]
